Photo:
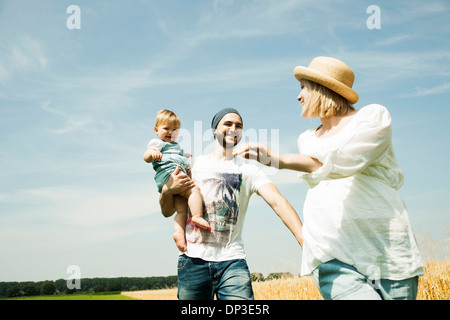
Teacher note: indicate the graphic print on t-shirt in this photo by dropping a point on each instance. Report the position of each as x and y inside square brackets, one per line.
[220, 208]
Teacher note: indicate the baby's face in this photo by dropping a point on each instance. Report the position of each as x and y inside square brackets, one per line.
[167, 132]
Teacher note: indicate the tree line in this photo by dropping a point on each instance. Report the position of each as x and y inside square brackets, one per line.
[94, 285]
[98, 285]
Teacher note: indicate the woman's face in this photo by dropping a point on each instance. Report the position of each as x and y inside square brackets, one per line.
[303, 97]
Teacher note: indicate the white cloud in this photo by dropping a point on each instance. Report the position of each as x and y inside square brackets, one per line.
[64, 216]
[23, 55]
[73, 122]
[84, 208]
[383, 68]
[392, 40]
[229, 20]
[420, 92]
[61, 226]
[3, 73]
[102, 209]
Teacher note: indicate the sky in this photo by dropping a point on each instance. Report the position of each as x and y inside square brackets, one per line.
[79, 93]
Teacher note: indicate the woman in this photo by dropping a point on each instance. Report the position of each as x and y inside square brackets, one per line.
[358, 241]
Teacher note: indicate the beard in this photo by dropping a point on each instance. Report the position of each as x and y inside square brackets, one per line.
[226, 142]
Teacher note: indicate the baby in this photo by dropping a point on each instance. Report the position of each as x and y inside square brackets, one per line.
[166, 155]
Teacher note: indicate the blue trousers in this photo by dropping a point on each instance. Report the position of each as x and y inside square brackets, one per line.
[200, 280]
[339, 281]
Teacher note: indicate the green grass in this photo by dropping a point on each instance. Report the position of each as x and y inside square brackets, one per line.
[116, 296]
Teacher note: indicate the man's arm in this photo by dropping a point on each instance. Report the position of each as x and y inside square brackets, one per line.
[177, 183]
[283, 209]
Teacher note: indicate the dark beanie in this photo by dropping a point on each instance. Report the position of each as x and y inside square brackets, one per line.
[219, 115]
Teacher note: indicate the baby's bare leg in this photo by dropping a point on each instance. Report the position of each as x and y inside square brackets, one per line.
[179, 223]
[196, 205]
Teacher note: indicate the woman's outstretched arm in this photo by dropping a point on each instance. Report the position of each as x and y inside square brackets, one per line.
[266, 156]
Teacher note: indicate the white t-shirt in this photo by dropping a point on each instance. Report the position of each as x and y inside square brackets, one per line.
[353, 211]
[226, 187]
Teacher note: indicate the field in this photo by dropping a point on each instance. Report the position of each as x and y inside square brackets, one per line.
[434, 285]
[116, 296]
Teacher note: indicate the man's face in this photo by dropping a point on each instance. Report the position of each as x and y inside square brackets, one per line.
[229, 130]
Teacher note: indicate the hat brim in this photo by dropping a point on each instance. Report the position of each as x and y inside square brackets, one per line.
[303, 73]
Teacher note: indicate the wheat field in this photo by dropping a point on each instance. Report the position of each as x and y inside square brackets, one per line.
[434, 285]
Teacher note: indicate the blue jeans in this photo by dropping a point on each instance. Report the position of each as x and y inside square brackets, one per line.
[339, 281]
[200, 280]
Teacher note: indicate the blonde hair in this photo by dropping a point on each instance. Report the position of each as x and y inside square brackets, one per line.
[324, 102]
[167, 117]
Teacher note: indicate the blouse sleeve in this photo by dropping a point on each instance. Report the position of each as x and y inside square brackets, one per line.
[156, 144]
[359, 148]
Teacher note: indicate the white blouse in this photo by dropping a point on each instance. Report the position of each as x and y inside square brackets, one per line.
[353, 211]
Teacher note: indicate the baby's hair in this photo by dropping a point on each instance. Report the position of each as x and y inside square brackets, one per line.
[167, 117]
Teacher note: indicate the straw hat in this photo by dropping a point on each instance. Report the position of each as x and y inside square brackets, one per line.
[331, 73]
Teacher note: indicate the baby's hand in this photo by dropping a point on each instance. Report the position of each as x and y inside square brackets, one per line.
[187, 155]
[155, 154]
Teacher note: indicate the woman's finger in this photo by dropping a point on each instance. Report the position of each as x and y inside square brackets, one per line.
[251, 156]
[242, 149]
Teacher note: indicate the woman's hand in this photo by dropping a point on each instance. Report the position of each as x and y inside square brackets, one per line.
[258, 152]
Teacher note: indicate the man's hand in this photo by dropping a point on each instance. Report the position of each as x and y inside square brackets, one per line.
[178, 182]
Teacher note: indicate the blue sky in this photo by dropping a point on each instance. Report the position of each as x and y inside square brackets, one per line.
[77, 110]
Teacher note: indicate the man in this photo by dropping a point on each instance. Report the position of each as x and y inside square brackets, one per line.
[214, 262]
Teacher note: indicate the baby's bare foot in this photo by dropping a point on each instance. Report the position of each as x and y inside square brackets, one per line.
[180, 241]
[202, 223]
